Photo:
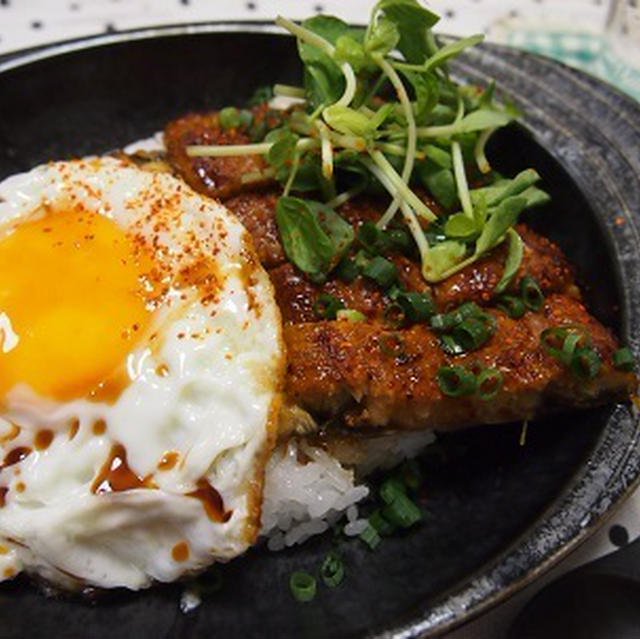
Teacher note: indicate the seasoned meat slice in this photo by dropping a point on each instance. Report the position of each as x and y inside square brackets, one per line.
[256, 210]
[541, 259]
[296, 295]
[375, 377]
[219, 177]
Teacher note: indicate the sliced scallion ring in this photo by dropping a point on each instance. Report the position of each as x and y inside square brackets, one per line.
[332, 570]
[513, 306]
[391, 344]
[229, 117]
[418, 307]
[450, 346]
[327, 306]
[402, 512]
[381, 525]
[394, 315]
[350, 315]
[369, 236]
[623, 359]
[532, 296]
[489, 383]
[456, 381]
[586, 363]
[302, 585]
[471, 334]
[370, 537]
[391, 489]
[447, 321]
[347, 270]
[381, 271]
[397, 240]
[562, 341]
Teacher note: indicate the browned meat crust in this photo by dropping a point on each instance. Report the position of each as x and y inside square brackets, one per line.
[256, 210]
[369, 373]
[542, 259]
[219, 177]
[377, 377]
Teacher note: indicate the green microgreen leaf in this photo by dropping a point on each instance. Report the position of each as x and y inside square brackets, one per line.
[441, 258]
[500, 219]
[349, 50]
[513, 261]
[460, 226]
[412, 20]
[383, 38]
[314, 236]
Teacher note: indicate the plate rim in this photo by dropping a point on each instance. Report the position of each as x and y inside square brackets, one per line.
[616, 492]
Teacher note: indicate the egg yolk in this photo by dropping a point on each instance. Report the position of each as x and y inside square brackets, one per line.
[72, 285]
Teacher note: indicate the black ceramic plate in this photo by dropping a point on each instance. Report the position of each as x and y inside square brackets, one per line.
[498, 513]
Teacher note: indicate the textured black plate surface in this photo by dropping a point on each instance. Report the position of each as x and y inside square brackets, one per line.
[499, 513]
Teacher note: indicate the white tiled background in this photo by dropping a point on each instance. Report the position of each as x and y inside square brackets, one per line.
[26, 23]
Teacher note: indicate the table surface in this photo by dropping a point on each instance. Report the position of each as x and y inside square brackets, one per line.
[26, 23]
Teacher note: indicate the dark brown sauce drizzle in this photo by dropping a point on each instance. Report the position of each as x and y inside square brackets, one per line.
[116, 476]
[169, 460]
[211, 501]
[3, 495]
[14, 456]
[43, 439]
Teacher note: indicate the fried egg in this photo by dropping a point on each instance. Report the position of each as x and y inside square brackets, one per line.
[141, 365]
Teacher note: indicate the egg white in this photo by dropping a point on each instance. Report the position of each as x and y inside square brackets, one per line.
[209, 391]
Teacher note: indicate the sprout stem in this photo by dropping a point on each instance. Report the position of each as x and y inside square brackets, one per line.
[461, 179]
[479, 150]
[400, 188]
[289, 91]
[326, 149]
[409, 160]
[225, 150]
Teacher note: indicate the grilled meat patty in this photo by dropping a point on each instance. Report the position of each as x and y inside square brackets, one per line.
[374, 375]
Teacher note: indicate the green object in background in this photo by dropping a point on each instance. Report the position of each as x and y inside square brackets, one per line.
[587, 51]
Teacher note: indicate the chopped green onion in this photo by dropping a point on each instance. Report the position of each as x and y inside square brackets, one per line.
[471, 334]
[302, 585]
[532, 295]
[369, 236]
[229, 117]
[623, 359]
[397, 240]
[347, 270]
[332, 570]
[513, 306]
[327, 306]
[370, 537]
[391, 489]
[418, 307]
[381, 525]
[562, 341]
[571, 342]
[450, 346]
[489, 383]
[381, 271]
[391, 344]
[586, 363]
[351, 315]
[246, 118]
[402, 511]
[395, 315]
[447, 321]
[456, 381]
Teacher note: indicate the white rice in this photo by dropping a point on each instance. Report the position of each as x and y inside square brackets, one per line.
[308, 488]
